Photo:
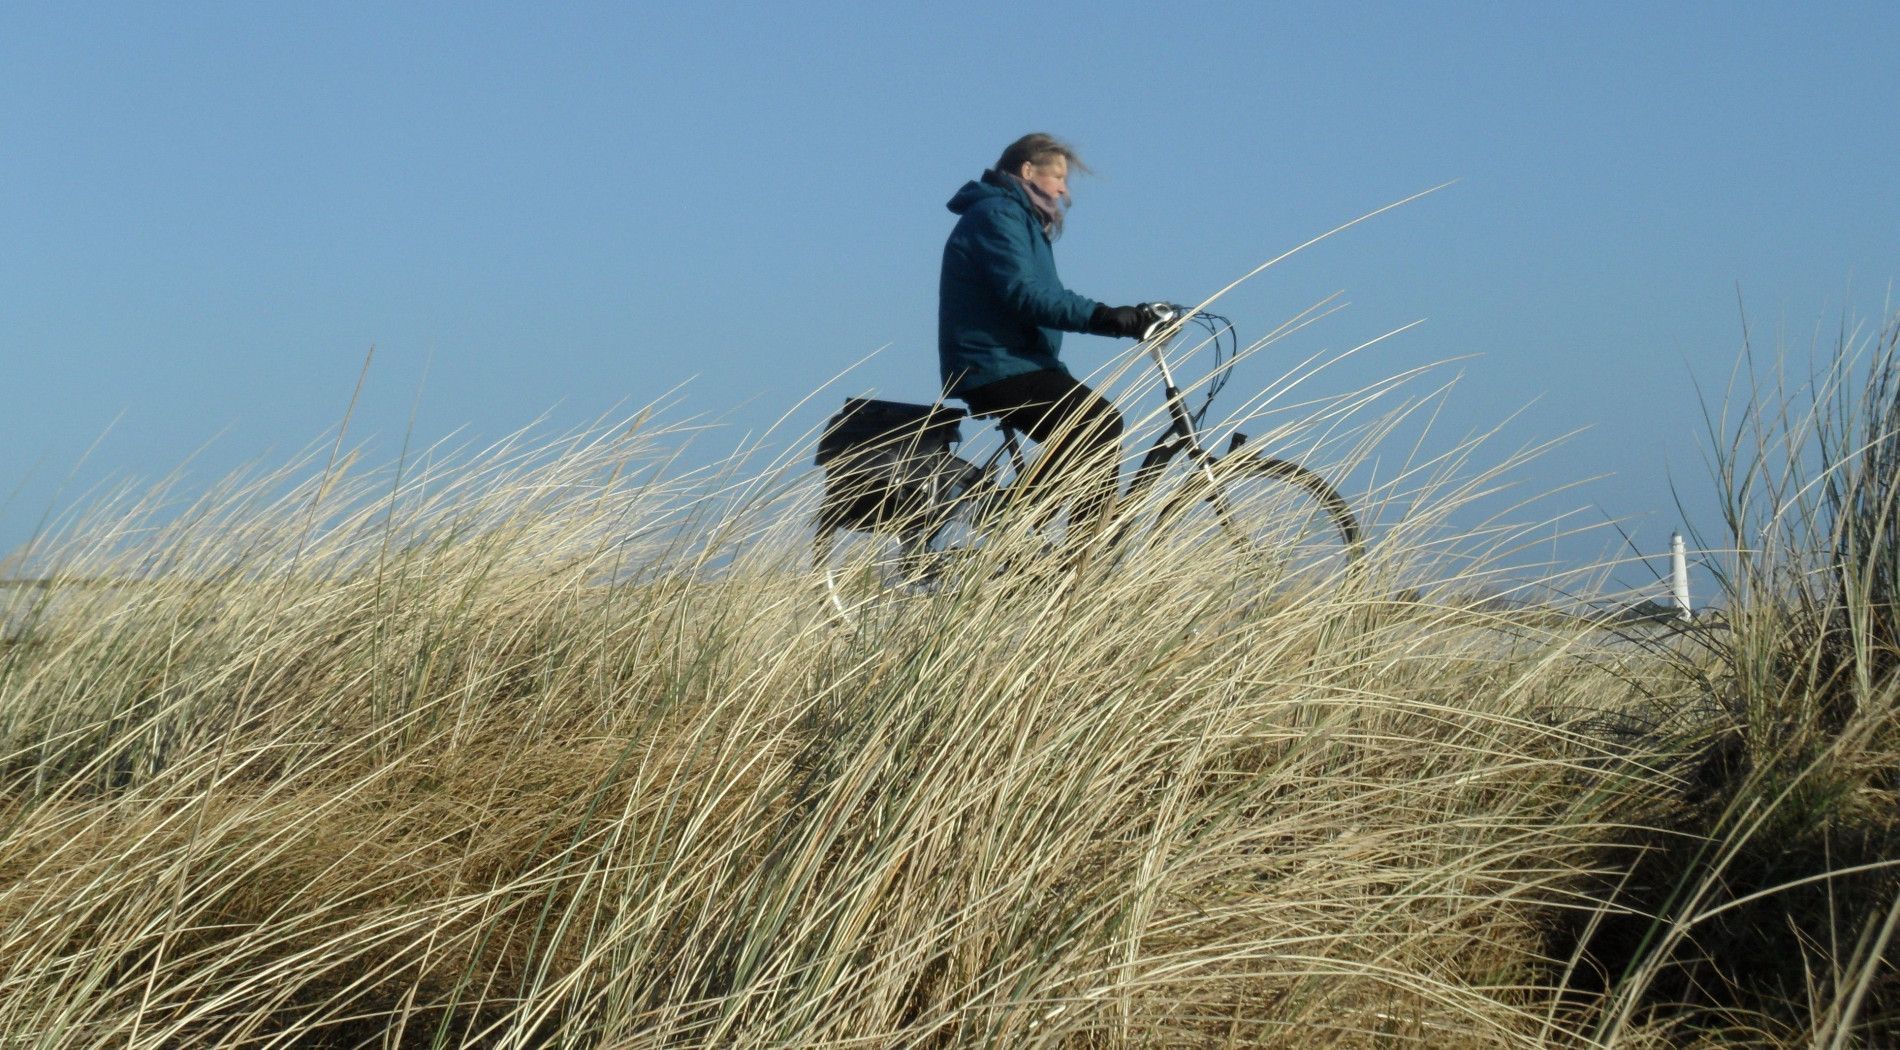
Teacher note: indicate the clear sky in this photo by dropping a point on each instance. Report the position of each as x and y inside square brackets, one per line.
[210, 212]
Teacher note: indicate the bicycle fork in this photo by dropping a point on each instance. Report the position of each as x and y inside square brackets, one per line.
[1181, 436]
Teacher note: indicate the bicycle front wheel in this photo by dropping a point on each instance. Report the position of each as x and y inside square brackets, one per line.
[1289, 523]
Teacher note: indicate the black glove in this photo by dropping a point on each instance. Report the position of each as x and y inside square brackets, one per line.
[1127, 322]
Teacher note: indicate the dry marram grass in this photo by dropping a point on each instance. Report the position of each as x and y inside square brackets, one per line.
[538, 747]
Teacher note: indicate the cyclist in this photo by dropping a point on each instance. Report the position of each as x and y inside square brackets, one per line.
[1002, 311]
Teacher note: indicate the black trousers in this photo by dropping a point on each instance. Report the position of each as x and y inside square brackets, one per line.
[1077, 430]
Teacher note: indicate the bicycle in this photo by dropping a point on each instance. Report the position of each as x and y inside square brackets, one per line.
[891, 478]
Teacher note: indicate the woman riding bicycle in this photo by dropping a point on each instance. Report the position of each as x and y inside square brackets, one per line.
[1002, 311]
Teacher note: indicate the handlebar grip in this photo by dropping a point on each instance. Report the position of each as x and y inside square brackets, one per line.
[1163, 314]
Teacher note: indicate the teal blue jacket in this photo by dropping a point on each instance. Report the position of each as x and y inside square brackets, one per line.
[1001, 309]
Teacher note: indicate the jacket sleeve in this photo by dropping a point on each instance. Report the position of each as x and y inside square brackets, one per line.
[1001, 250]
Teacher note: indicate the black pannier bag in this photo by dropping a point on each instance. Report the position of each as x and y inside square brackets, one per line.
[888, 465]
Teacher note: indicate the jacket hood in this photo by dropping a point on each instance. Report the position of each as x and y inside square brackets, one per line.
[990, 185]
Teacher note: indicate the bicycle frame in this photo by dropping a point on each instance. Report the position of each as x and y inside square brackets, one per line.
[1182, 435]
[972, 495]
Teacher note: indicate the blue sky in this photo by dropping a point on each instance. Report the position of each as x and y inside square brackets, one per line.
[210, 212]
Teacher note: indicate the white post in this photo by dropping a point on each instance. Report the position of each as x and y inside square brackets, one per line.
[1679, 577]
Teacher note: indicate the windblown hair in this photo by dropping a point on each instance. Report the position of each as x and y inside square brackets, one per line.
[1037, 148]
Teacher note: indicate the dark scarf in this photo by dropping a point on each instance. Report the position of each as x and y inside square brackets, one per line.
[1048, 209]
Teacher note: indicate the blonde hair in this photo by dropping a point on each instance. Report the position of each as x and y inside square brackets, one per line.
[1039, 149]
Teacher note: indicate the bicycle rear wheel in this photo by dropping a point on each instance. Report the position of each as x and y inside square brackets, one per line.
[862, 571]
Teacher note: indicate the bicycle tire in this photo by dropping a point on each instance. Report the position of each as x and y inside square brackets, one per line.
[862, 570]
[1278, 513]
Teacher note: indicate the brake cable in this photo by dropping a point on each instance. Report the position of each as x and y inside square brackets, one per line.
[1226, 345]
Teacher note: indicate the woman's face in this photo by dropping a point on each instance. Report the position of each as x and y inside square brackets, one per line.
[1051, 178]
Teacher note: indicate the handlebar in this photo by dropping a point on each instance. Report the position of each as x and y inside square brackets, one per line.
[1164, 314]
[1220, 335]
